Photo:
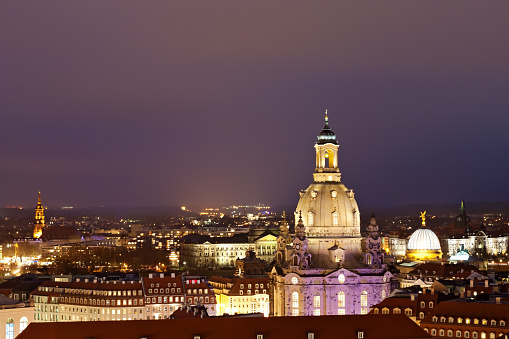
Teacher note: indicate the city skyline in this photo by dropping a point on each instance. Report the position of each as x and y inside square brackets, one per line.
[173, 104]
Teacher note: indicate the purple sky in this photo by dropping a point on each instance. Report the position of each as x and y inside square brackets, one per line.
[125, 103]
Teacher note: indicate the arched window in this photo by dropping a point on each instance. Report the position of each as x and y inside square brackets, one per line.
[408, 312]
[475, 335]
[385, 310]
[384, 295]
[295, 303]
[341, 299]
[310, 218]
[316, 301]
[335, 219]
[9, 329]
[441, 333]
[421, 315]
[492, 335]
[458, 334]
[23, 323]
[376, 311]
[431, 304]
[433, 332]
[493, 322]
[466, 334]
[423, 304]
[364, 299]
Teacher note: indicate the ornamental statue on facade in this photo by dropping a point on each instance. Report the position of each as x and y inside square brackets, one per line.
[300, 256]
[283, 243]
[374, 255]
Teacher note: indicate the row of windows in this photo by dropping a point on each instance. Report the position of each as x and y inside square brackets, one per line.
[423, 304]
[165, 300]
[467, 321]
[102, 302]
[256, 292]
[341, 303]
[463, 334]
[104, 293]
[249, 286]
[162, 290]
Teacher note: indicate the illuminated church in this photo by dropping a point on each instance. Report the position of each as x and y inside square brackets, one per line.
[320, 267]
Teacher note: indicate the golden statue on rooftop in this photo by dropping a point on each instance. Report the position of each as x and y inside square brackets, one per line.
[423, 217]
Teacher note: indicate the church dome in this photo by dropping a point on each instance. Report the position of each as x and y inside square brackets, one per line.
[329, 208]
[424, 239]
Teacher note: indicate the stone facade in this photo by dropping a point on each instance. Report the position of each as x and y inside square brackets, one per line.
[320, 268]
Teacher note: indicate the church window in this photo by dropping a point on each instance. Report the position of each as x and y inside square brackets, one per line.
[341, 278]
[341, 299]
[295, 303]
[364, 299]
[316, 312]
[335, 218]
[23, 323]
[310, 218]
[9, 329]
[316, 301]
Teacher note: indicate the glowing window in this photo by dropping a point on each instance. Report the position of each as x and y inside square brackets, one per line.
[23, 323]
[335, 218]
[295, 302]
[341, 278]
[294, 280]
[316, 301]
[341, 299]
[9, 329]
[364, 299]
[310, 219]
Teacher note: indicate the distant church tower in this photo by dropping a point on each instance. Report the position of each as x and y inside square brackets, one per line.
[39, 222]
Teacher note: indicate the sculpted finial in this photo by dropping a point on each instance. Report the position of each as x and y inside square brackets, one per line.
[326, 117]
[423, 217]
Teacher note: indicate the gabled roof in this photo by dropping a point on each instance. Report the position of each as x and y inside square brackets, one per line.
[468, 309]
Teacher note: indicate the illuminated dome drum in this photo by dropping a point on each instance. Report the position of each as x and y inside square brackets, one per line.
[423, 245]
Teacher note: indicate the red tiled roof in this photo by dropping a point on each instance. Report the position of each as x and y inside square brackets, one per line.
[347, 326]
[480, 310]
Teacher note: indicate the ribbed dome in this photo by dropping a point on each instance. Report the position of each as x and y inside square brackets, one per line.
[424, 239]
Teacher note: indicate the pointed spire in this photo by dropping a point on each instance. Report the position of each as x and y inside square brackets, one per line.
[326, 118]
[423, 217]
[462, 208]
[39, 201]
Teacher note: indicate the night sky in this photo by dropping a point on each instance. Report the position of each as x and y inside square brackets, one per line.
[145, 103]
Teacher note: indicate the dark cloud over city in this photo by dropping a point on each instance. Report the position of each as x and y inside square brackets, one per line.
[129, 103]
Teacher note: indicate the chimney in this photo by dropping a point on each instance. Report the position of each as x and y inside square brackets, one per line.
[161, 275]
[498, 300]
[173, 275]
[123, 282]
[150, 275]
[86, 280]
[412, 297]
[424, 290]
[462, 295]
[469, 294]
[471, 282]
[486, 283]
[462, 270]
[432, 290]
[77, 279]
